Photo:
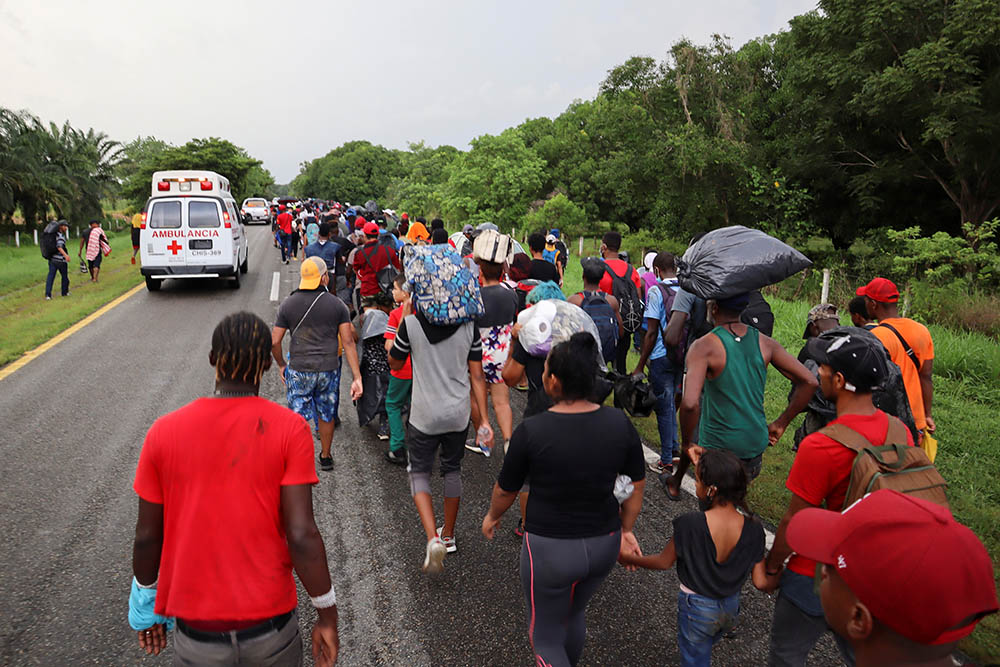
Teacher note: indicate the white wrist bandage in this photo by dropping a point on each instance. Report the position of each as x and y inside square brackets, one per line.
[152, 585]
[328, 599]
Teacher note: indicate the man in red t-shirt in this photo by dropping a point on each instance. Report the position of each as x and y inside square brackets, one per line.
[285, 234]
[225, 513]
[850, 367]
[611, 244]
[371, 258]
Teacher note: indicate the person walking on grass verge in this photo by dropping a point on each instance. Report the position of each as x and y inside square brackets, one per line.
[541, 269]
[495, 326]
[891, 620]
[575, 528]
[95, 242]
[215, 476]
[850, 367]
[602, 308]
[319, 325]
[666, 365]
[59, 261]
[447, 364]
[715, 549]
[611, 244]
[397, 400]
[858, 308]
[724, 391]
[136, 229]
[910, 347]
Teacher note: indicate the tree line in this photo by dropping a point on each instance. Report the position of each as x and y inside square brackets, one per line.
[864, 116]
[48, 170]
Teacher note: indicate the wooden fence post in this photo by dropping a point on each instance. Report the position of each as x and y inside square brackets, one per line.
[17, 238]
[825, 297]
[36, 236]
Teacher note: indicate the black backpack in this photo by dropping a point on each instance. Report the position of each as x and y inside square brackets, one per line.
[595, 305]
[677, 352]
[386, 276]
[629, 302]
[48, 242]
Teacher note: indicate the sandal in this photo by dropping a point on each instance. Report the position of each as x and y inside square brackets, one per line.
[665, 482]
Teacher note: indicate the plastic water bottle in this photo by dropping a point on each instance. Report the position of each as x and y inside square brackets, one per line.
[482, 439]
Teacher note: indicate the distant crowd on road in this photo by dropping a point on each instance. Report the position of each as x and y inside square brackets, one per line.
[436, 328]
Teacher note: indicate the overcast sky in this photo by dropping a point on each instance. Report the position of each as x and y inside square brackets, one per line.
[291, 80]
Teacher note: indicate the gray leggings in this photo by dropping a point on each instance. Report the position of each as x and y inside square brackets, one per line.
[559, 576]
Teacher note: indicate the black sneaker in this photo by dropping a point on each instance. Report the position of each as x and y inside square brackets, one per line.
[326, 463]
[396, 457]
[383, 432]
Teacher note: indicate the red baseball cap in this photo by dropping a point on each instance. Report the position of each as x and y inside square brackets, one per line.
[359, 222]
[919, 572]
[882, 290]
[371, 229]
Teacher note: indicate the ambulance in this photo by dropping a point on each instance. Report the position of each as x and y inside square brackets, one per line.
[192, 229]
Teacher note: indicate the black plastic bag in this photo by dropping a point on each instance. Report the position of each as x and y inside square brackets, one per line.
[633, 394]
[733, 260]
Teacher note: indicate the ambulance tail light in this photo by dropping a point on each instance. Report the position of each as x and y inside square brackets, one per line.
[206, 185]
[143, 225]
[225, 216]
[163, 186]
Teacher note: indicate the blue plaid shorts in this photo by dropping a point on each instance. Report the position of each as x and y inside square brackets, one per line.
[313, 394]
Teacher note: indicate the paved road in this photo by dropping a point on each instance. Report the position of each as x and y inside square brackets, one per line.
[73, 422]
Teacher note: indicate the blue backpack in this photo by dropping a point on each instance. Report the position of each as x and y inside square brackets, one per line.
[443, 286]
[595, 305]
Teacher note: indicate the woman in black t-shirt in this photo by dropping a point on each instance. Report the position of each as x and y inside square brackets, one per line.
[714, 549]
[574, 529]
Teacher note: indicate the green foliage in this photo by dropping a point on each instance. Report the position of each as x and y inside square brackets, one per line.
[942, 259]
[562, 214]
[147, 155]
[421, 189]
[355, 172]
[495, 181]
[62, 168]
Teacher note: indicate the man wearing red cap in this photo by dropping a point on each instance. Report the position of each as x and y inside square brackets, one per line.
[850, 366]
[902, 581]
[284, 221]
[910, 347]
[372, 258]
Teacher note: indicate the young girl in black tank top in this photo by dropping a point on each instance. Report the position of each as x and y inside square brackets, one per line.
[714, 549]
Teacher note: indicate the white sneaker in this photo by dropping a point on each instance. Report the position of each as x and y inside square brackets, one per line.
[449, 542]
[434, 559]
[473, 447]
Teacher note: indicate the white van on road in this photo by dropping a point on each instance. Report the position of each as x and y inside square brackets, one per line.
[256, 209]
[192, 229]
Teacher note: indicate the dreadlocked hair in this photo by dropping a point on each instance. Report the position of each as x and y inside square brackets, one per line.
[241, 344]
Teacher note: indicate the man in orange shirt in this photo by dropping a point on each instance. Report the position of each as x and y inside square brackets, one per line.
[910, 347]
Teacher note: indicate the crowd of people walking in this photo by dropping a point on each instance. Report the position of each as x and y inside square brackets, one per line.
[427, 364]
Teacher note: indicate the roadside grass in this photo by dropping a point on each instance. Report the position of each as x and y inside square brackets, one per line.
[967, 411]
[28, 320]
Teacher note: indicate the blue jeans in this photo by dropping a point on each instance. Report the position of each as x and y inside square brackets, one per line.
[664, 379]
[700, 622]
[284, 241]
[798, 623]
[63, 269]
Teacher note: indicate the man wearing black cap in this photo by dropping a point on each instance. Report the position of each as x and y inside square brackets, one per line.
[851, 366]
[724, 391]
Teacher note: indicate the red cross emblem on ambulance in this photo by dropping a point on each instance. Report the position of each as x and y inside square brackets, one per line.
[174, 247]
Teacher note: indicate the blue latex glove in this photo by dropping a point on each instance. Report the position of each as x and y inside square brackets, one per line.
[140, 608]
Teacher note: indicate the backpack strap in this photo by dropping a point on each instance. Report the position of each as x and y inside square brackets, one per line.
[846, 436]
[906, 346]
[896, 434]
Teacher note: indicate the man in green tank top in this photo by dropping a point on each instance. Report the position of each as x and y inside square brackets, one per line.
[723, 401]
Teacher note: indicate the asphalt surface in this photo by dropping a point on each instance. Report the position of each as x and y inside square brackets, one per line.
[73, 422]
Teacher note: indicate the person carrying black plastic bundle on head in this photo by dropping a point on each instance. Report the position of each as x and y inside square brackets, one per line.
[723, 398]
